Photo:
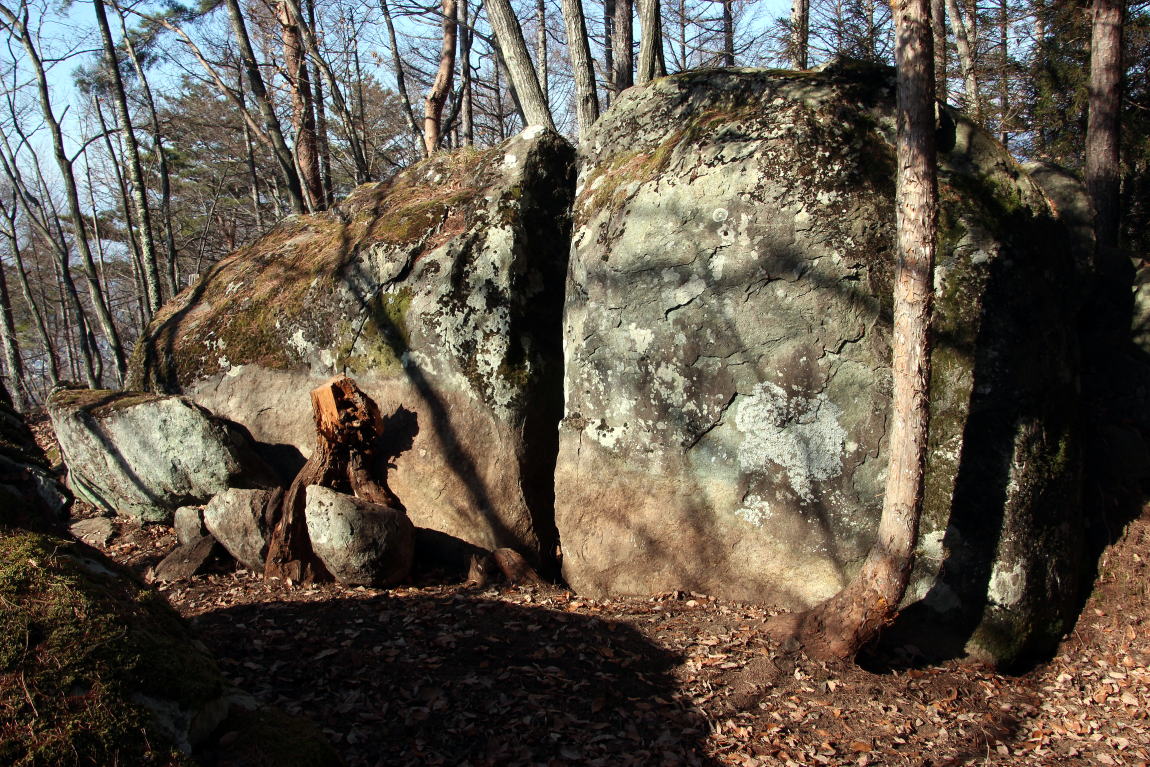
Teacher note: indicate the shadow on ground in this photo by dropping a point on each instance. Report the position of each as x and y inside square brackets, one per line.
[462, 679]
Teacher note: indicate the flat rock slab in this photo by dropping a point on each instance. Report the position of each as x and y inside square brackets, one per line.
[146, 455]
[187, 560]
[95, 531]
[359, 542]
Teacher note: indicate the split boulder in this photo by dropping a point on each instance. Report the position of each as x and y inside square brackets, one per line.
[727, 336]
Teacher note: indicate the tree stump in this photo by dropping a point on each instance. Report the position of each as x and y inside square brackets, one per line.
[348, 428]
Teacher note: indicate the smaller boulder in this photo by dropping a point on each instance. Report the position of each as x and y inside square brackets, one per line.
[238, 519]
[188, 523]
[359, 542]
[146, 455]
[187, 560]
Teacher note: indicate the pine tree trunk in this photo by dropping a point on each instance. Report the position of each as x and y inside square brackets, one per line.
[397, 67]
[840, 626]
[648, 39]
[962, 41]
[302, 114]
[622, 46]
[1104, 127]
[466, 95]
[938, 28]
[541, 62]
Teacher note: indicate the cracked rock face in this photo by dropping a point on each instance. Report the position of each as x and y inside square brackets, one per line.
[440, 292]
[727, 346]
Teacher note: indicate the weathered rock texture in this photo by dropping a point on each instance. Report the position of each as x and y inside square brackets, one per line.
[727, 357]
[30, 492]
[358, 541]
[237, 519]
[441, 293]
[145, 455]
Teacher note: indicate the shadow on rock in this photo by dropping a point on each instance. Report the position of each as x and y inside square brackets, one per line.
[461, 679]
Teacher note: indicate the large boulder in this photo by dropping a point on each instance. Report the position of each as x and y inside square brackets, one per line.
[358, 541]
[145, 455]
[727, 337]
[441, 293]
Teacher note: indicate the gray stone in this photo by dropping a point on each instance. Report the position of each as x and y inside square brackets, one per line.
[188, 522]
[440, 292]
[145, 455]
[187, 560]
[727, 342]
[94, 531]
[358, 541]
[235, 518]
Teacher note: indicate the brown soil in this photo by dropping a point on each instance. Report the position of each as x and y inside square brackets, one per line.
[440, 673]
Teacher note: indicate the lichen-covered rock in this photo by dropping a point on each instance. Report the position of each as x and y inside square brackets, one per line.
[236, 518]
[358, 541]
[188, 522]
[727, 342]
[146, 455]
[30, 492]
[440, 292]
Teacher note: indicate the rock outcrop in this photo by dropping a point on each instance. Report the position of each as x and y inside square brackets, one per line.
[440, 292]
[146, 455]
[727, 344]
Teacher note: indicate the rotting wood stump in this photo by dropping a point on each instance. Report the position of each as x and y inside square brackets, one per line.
[348, 430]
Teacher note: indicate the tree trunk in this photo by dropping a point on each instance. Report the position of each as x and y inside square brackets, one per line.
[622, 46]
[170, 274]
[466, 95]
[520, 70]
[728, 34]
[541, 62]
[839, 627]
[397, 66]
[800, 33]
[586, 99]
[259, 92]
[938, 30]
[346, 458]
[649, 39]
[1104, 127]
[965, 59]
[323, 146]
[302, 113]
[147, 243]
[53, 367]
[609, 51]
[1003, 73]
[437, 96]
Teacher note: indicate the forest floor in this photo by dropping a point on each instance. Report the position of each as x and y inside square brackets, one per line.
[439, 673]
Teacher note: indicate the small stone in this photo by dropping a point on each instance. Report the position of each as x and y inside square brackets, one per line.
[188, 522]
[186, 561]
[235, 519]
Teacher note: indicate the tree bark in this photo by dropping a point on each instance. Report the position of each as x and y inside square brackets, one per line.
[520, 70]
[53, 367]
[302, 111]
[965, 59]
[649, 40]
[586, 99]
[839, 627]
[800, 33]
[441, 87]
[466, 94]
[728, 34]
[622, 46]
[397, 66]
[346, 458]
[1103, 126]
[541, 62]
[938, 29]
[259, 92]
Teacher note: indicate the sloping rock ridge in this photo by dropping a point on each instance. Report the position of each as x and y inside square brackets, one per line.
[727, 341]
[440, 292]
[146, 455]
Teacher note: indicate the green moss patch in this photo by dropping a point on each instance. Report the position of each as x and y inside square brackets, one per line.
[79, 637]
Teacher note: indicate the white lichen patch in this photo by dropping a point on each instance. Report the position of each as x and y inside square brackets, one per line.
[801, 435]
[755, 510]
[1007, 585]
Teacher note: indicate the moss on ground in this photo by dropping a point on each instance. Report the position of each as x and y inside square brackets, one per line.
[78, 638]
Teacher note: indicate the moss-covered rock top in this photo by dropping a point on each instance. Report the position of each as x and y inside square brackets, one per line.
[239, 311]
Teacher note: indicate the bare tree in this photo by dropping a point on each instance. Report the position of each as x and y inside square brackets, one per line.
[1104, 126]
[800, 33]
[519, 67]
[441, 87]
[586, 98]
